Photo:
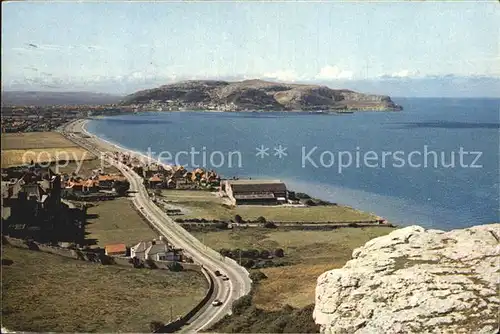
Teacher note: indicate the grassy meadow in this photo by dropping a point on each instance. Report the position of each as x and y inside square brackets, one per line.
[203, 204]
[116, 221]
[43, 292]
[309, 253]
[41, 147]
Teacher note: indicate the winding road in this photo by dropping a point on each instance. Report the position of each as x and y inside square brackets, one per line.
[239, 283]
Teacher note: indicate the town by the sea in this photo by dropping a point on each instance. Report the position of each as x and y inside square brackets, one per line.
[435, 164]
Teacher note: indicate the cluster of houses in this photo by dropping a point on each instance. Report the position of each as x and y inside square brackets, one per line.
[46, 118]
[32, 193]
[177, 177]
[168, 176]
[98, 182]
[156, 250]
[32, 205]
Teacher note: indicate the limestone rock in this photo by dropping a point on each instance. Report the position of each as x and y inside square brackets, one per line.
[415, 280]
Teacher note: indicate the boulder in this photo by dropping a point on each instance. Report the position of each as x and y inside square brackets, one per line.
[415, 280]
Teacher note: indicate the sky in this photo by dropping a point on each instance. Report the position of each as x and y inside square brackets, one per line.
[121, 47]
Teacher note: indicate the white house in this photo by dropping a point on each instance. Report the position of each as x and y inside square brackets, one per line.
[149, 249]
[139, 250]
[156, 251]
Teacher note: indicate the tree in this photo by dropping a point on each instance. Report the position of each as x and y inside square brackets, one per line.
[265, 254]
[279, 252]
[238, 219]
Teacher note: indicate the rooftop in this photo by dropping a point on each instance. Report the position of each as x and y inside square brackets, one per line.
[256, 181]
[116, 248]
[256, 186]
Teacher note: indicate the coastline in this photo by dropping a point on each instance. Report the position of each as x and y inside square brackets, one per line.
[111, 146]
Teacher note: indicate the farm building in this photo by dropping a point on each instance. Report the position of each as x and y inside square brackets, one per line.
[254, 191]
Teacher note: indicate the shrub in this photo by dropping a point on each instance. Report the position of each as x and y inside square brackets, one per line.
[247, 263]
[221, 225]
[253, 253]
[261, 220]
[301, 321]
[225, 252]
[269, 225]
[310, 202]
[175, 266]
[257, 276]
[136, 262]
[240, 305]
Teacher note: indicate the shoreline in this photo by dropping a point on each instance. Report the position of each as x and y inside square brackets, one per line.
[117, 147]
[81, 126]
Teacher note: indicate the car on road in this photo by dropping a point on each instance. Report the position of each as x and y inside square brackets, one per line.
[216, 303]
[217, 273]
[225, 278]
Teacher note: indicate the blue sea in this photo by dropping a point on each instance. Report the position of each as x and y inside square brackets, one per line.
[434, 164]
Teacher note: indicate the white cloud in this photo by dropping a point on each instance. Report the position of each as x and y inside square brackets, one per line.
[35, 47]
[284, 75]
[405, 74]
[333, 72]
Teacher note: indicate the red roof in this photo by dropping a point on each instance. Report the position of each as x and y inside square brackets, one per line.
[154, 178]
[115, 248]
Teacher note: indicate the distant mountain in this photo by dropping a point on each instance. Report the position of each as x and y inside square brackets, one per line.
[43, 98]
[256, 95]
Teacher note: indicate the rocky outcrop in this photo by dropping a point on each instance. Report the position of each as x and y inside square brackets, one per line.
[415, 280]
[257, 95]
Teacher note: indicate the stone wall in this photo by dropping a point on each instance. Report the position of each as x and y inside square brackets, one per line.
[91, 256]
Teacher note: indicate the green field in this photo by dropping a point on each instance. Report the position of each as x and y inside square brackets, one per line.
[31, 140]
[43, 292]
[22, 148]
[84, 169]
[203, 204]
[116, 221]
[310, 253]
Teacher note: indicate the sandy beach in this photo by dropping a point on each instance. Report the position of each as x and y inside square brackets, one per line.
[107, 146]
